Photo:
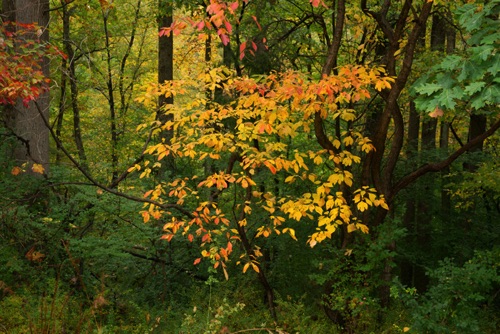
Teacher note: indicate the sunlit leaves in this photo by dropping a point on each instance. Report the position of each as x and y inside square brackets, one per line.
[21, 75]
[252, 138]
[37, 168]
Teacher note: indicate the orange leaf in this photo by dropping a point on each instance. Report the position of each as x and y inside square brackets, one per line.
[270, 166]
[438, 112]
[16, 171]
[198, 260]
[256, 22]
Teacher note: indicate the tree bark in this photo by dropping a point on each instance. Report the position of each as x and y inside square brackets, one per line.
[165, 73]
[73, 84]
[25, 122]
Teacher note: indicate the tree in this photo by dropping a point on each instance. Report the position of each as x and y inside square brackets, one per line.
[24, 118]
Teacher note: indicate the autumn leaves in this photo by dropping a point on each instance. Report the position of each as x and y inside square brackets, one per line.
[257, 139]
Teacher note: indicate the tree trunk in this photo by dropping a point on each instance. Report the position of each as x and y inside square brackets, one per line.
[71, 73]
[165, 73]
[25, 122]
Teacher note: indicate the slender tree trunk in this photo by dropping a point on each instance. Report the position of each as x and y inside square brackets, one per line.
[110, 97]
[477, 126]
[73, 84]
[407, 267]
[444, 135]
[165, 73]
[445, 131]
[62, 106]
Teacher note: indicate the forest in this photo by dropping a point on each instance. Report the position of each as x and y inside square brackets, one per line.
[249, 166]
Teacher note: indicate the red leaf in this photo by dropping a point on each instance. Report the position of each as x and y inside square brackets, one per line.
[229, 28]
[316, 3]
[242, 50]
[254, 46]
[225, 39]
[256, 22]
[233, 6]
[164, 31]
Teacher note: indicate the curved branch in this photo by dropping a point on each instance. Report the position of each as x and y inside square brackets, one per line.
[109, 189]
[413, 176]
[330, 64]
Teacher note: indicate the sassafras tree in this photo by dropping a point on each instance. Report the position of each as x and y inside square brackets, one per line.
[261, 138]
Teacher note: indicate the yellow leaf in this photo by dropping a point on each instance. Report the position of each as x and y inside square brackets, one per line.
[406, 329]
[362, 206]
[37, 168]
[363, 228]
[348, 140]
[351, 228]
[245, 267]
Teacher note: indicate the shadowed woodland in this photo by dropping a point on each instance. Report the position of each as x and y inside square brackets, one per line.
[250, 166]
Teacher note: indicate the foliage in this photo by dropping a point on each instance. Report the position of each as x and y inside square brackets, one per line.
[462, 298]
[268, 178]
[21, 74]
[268, 113]
[352, 292]
[471, 77]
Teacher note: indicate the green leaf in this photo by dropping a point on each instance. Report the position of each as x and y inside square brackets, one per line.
[494, 65]
[490, 39]
[448, 96]
[488, 96]
[474, 87]
[451, 62]
[429, 89]
[471, 71]
[469, 18]
[482, 52]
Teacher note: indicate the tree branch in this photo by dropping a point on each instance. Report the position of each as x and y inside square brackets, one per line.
[413, 176]
[109, 189]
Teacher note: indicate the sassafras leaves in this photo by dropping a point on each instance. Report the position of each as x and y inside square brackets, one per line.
[272, 112]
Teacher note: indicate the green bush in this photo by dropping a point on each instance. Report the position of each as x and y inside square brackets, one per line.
[460, 299]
